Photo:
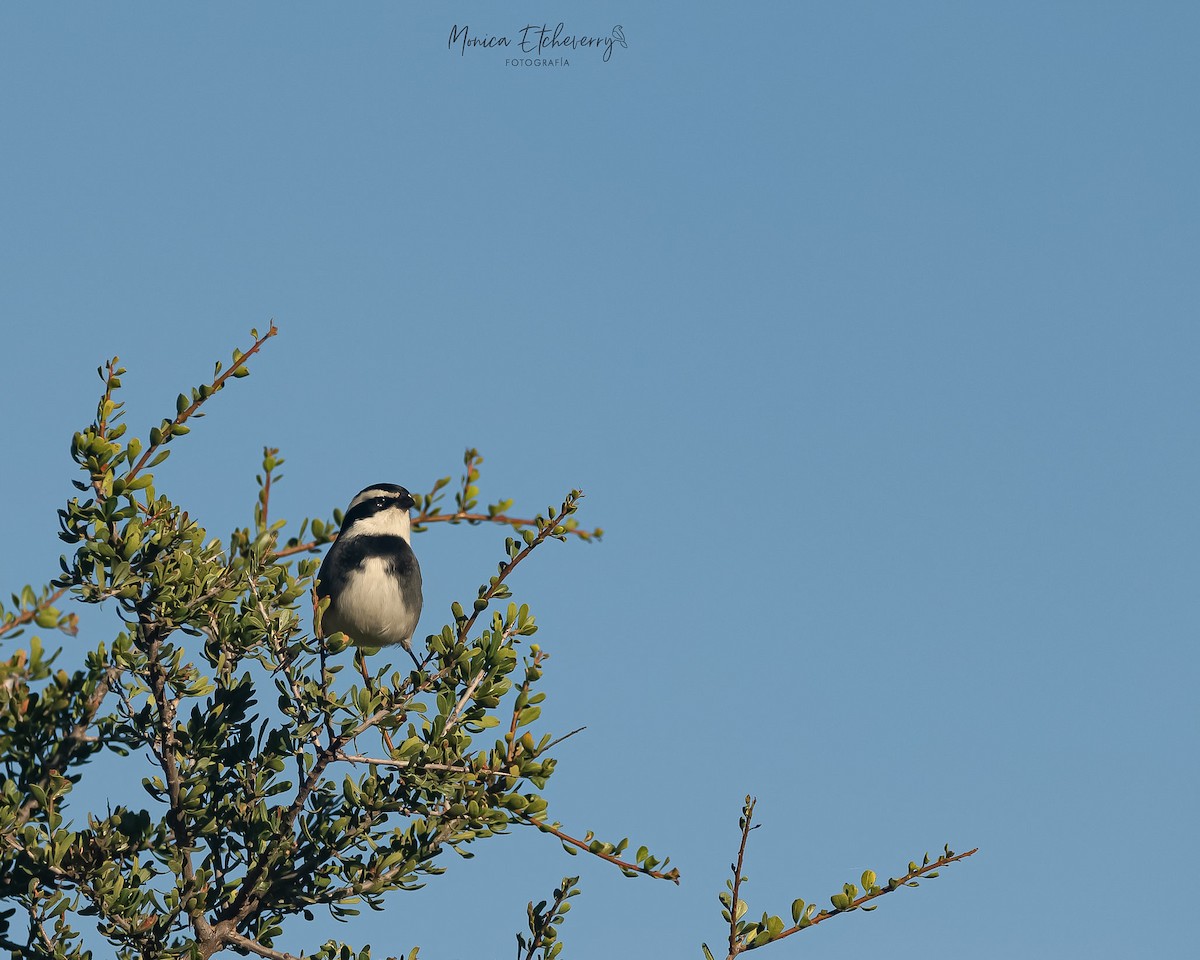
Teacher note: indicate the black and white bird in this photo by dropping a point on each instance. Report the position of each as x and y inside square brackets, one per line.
[371, 575]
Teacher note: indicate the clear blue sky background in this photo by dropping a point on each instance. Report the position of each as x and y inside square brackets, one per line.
[869, 329]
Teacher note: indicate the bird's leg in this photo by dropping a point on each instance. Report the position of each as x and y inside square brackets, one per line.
[361, 662]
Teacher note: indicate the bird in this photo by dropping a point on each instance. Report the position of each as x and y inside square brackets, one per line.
[371, 575]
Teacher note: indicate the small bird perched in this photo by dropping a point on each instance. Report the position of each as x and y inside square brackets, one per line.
[370, 574]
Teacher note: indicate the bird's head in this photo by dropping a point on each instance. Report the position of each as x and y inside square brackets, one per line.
[380, 509]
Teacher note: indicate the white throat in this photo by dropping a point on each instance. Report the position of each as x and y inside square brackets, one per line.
[392, 522]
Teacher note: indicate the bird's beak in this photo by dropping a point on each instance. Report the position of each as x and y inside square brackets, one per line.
[407, 502]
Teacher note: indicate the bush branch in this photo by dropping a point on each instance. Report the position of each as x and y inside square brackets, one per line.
[672, 874]
[747, 817]
[190, 410]
[27, 616]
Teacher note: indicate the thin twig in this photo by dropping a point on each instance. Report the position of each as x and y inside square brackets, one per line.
[487, 518]
[235, 939]
[747, 816]
[889, 887]
[516, 713]
[306, 547]
[516, 522]
[163, 745]
[60, 759]
[537, 930]
[452, 721]
[441, 767]
[187, 412]
[264, 496]
[740, 945]
[672, 874]
[27, 616]
[565, 736]
[102, 420]
[546, 530]
[248, 899]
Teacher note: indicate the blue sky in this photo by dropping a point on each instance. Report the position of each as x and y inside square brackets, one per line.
[868, 329]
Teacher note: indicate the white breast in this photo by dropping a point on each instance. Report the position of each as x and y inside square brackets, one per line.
[371, 610]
